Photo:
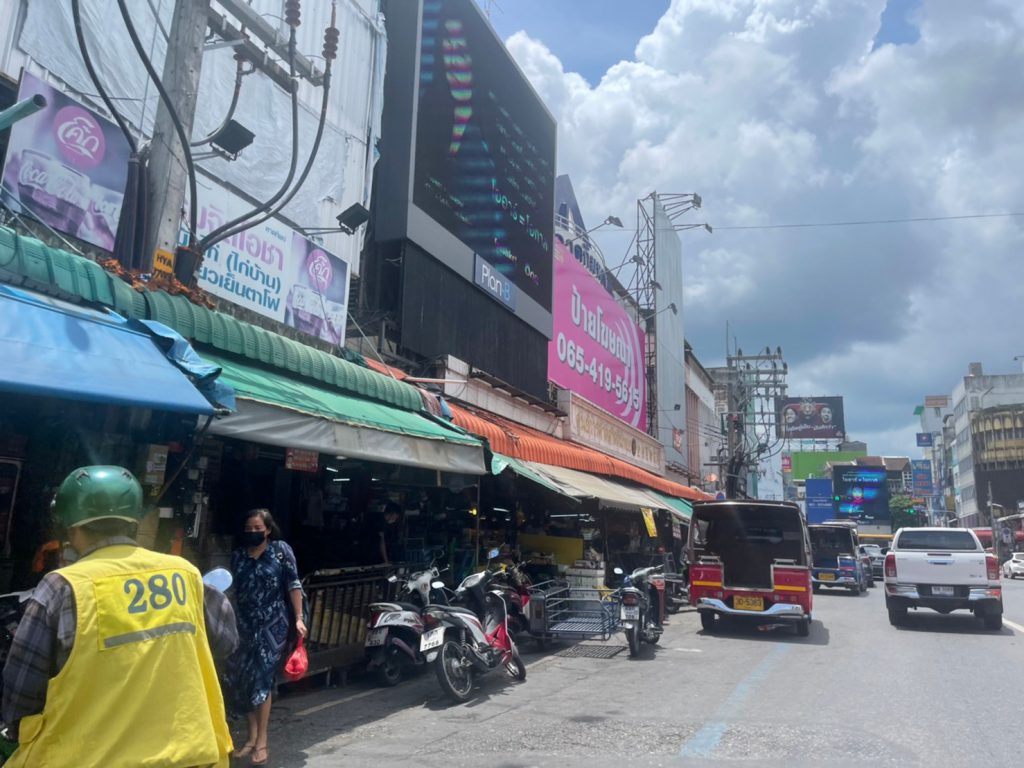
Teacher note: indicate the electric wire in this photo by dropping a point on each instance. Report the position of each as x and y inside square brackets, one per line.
[240, 72]
[230, 228]
[76, 15]
[870, 222]
[175, 119]
[331, 35]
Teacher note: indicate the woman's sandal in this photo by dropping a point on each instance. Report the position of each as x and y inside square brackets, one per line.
[265, 751]
[245, 750]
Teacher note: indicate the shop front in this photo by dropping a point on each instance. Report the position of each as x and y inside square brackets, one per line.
[81, 385]
[358, 487]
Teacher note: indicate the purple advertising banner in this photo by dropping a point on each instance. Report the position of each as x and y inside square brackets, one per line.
[66, 167]
[272, 270]
[596, 351]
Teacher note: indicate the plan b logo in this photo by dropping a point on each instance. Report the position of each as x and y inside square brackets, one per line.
[79, 137]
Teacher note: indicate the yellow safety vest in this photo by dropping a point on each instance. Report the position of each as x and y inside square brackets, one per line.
[139, 689]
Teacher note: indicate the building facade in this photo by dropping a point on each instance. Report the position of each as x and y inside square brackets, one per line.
[988, 444]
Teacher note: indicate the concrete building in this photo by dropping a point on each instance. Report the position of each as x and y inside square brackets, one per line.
[988, 452]
[704, 436]
[932, 442]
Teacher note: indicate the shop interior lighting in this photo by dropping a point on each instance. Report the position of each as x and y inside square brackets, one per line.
[501, 509]
[331, 469]
[342, 480]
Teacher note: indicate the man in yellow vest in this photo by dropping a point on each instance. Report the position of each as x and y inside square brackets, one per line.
[119, 638]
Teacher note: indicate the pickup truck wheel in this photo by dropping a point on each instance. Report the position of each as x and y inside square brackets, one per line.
[897, 615]
[707, 621]
[994, 621]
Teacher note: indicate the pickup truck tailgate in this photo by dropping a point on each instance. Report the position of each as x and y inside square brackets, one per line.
[963, 568]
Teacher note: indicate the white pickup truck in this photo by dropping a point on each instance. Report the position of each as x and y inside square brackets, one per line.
[945, 569]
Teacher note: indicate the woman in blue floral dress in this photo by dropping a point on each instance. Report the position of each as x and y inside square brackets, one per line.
[265, 576]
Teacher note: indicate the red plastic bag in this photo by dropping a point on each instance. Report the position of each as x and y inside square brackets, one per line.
[298, 663]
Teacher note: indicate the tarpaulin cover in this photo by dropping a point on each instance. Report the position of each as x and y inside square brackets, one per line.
[500, 462]
[608, 492]
[278, 410]
[54, 348]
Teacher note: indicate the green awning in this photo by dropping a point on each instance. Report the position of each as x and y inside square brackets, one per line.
[500, 462]
[679, 507]
[278, 410]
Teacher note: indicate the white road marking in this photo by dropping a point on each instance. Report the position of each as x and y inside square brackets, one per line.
[1014, 626]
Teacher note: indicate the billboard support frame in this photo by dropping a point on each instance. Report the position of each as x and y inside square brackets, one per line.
[643, 285]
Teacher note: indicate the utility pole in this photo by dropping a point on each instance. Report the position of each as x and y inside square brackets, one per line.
[168, 179]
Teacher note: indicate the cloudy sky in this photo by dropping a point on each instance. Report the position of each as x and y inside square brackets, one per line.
[805, 112]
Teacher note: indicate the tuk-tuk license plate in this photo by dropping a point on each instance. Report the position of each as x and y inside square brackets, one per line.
[432, 639]
[630, 613]
[748, 603]
[375, 637]
[826, 577]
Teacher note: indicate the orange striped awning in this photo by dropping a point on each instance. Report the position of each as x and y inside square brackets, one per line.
[528, 444]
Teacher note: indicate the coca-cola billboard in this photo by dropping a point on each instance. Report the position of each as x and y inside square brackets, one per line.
[66, 167]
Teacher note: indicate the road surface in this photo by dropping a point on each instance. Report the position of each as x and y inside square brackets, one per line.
[942, 691]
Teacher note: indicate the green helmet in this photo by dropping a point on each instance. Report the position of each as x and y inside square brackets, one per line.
[94, 493]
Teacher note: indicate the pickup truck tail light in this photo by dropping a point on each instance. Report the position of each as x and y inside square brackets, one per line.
[992, 566]
[890, 566]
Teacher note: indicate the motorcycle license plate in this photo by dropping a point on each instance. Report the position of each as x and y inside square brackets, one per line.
[748, 603]
[375, 637]
[432, 639]
[826, 577]
[631, 613]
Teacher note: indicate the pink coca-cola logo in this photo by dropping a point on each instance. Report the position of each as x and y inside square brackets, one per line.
[79, 137]
[318, 265]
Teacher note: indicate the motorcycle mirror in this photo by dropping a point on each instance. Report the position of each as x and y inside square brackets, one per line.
[219, 578]
[617, 571]
[437, 584]
[493, 554]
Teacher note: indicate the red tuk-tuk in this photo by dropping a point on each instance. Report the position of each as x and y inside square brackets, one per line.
[750, 559]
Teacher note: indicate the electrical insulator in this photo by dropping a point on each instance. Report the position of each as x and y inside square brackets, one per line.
[292, 13]
[331, 37]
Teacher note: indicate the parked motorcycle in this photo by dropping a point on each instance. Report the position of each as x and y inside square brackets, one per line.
[639, 608]
[395, 629]
[516, 585]
[471, 637]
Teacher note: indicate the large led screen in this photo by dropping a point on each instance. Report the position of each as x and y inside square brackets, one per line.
[861, 494]
[485, 152]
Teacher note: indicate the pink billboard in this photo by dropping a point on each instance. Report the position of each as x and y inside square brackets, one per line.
[597, 350]
[66, 167]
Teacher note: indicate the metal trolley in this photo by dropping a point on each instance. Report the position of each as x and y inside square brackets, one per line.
[560, 611]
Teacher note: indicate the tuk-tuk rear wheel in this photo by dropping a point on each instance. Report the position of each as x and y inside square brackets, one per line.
[707, 621]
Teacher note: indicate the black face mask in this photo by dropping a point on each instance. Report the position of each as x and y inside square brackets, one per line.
[253, 538]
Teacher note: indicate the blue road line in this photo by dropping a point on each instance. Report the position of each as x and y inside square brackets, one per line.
[705, 741]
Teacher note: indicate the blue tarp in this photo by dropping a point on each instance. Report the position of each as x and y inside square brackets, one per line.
[58, 349]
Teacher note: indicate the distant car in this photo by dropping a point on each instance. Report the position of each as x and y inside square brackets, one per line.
[1014, 567]
[877, 558]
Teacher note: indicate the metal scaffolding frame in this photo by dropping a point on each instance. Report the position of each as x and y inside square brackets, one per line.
[643, 285]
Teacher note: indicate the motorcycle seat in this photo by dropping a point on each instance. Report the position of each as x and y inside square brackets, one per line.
[394, 605]
[452, 609]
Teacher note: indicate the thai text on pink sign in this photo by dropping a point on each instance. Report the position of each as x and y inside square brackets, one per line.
[597, 350]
